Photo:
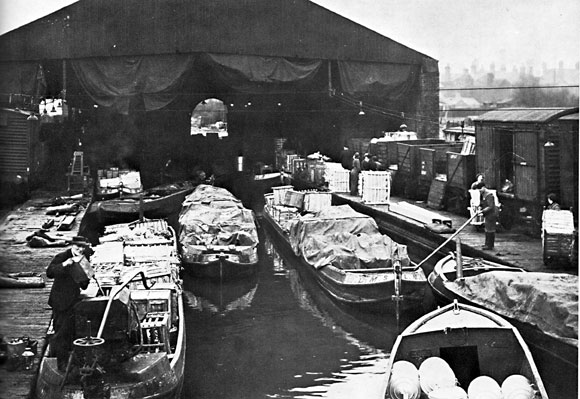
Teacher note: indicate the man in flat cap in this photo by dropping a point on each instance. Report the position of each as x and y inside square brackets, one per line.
[65, 294]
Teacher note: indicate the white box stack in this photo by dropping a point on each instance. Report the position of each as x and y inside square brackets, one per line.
[337, 177]
[375, 187]
[315, 201]
[280, 194]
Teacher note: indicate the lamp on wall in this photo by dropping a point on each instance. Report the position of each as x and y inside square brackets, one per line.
[549, 144]
[361, 112]
[32, 117]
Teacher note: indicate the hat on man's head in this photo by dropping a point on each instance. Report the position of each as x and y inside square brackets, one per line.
[80, 240]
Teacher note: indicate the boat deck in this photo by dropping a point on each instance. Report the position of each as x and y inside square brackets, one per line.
[512, 247]
[25, 311]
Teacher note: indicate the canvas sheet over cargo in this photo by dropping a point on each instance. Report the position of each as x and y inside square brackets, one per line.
[548, 301]
[213, 216]
[344, 238]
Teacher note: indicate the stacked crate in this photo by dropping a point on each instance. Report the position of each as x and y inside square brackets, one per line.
[297, 165]
[280, 194]
[282, 158]
[375, 187]
[276, 204]
[558, 235]
[315, 201]
[294, 199]
[337, 177]
[315, 171]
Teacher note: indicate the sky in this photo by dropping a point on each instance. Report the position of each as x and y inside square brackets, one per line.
[455, 32]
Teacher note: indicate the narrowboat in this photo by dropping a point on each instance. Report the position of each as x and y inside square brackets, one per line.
[218, 236]
[129, 328]
[344, 252]
[460, 351]
[542, 306]
[156, 202]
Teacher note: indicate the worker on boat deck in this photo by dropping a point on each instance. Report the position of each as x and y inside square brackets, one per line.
[64, 295]
[489, 211]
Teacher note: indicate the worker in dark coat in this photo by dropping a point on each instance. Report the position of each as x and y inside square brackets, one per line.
[366, 162]
[489, 211]
[354, 173]
[346, 157]
[64, 295]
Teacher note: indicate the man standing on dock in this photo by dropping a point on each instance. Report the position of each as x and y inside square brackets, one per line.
[489, 211]
[65, 294]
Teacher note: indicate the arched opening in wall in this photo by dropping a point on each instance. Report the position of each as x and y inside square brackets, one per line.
[210, 116]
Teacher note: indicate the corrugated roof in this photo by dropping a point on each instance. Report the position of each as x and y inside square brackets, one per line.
[525, 115]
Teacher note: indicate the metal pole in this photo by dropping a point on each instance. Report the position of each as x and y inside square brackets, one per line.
[449, 239]
[459, 257]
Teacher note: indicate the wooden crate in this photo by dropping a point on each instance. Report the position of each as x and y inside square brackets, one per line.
[298, 165]
[315, 201]
[280, 194]
[337, 177]
[375, 187]
[294, 199]
[558, 235]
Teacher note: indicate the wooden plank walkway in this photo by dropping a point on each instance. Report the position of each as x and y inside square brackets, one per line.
[512, 247]
[25, 311]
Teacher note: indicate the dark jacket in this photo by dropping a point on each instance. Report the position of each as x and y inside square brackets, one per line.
[65, 291]
[489, 211]
[346, 158]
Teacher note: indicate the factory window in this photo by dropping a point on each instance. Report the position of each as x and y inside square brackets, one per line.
[210, 116]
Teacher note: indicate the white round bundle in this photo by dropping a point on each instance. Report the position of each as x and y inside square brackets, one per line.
[404, 381]
[435, 373]
[517, 386]
[484, 387]
[448, 393]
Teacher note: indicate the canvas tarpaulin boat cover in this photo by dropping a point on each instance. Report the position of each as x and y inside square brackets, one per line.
[213, 216]
[546, 300]
[344, 238]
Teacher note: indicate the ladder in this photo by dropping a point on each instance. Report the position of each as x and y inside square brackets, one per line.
[78, 173]
[78, 163]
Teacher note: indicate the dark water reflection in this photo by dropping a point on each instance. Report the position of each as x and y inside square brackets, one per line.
[277, 337]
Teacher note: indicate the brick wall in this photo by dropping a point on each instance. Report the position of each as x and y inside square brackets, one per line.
[428, 105]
